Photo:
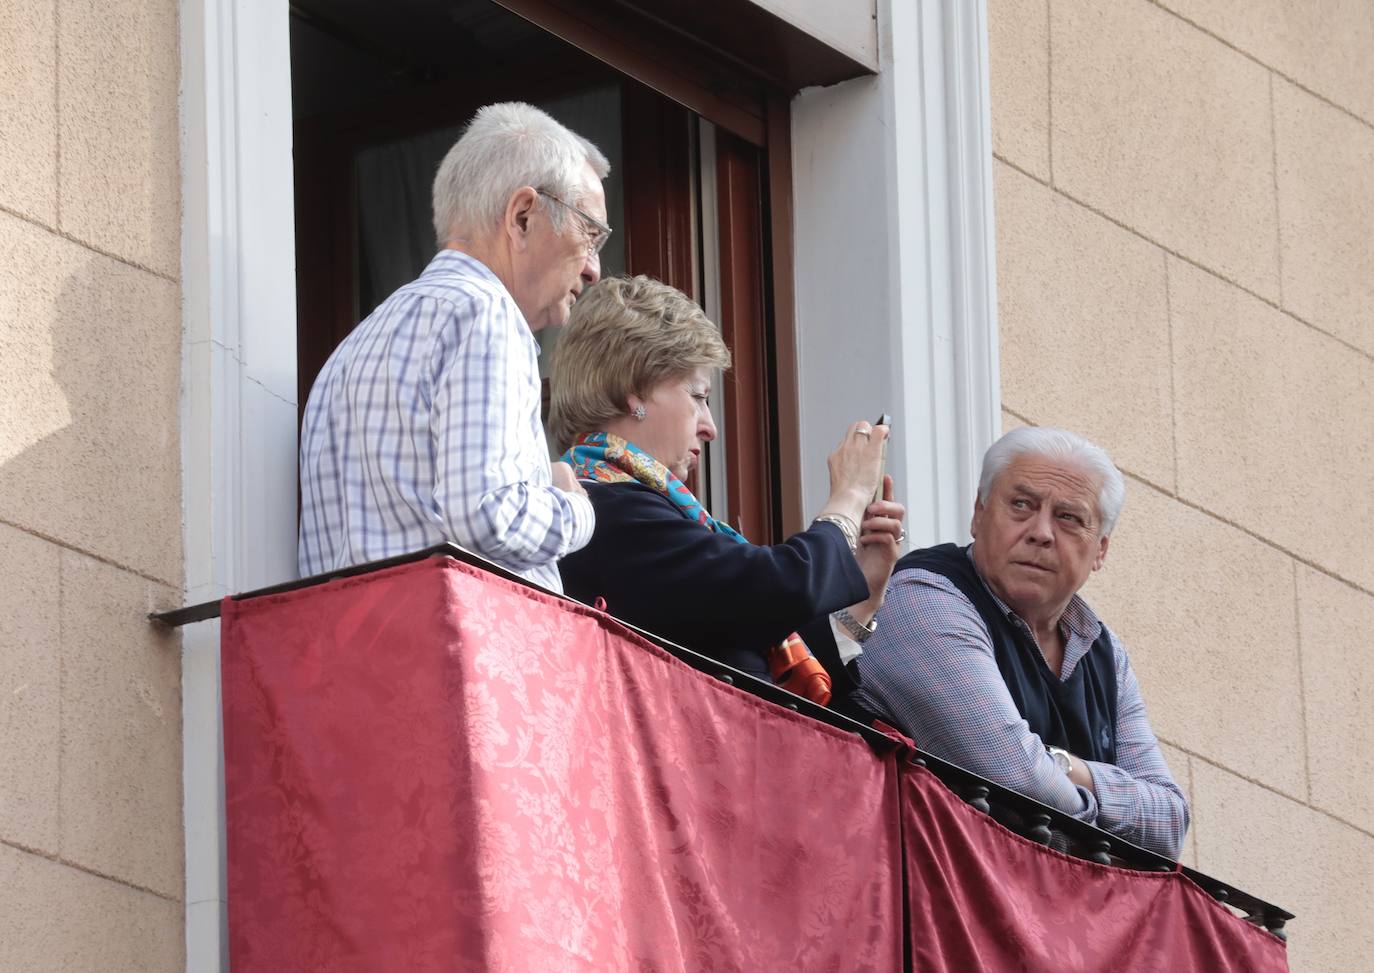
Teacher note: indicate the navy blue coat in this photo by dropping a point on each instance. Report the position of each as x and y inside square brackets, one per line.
[730, 601]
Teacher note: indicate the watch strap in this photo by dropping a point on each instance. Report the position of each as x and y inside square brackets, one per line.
[857, 630]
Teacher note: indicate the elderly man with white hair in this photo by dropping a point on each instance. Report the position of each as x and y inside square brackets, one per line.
[987, 656]
[424, 424]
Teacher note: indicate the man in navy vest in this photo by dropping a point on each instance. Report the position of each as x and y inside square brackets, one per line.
[986, 655]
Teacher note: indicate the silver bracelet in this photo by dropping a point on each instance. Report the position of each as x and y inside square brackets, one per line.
[857, 630]
[847, 527]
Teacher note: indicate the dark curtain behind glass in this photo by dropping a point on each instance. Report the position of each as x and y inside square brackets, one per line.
[395, 226]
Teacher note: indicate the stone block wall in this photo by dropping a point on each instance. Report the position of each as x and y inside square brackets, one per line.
[1185, 216]
[91, 873]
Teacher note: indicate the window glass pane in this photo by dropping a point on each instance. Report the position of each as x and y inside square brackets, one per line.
[394, 179]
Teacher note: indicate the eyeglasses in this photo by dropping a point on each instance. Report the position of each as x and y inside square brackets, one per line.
[597, 232]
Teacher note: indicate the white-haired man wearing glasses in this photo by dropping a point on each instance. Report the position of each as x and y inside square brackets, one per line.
[987, 656]
[424, 425]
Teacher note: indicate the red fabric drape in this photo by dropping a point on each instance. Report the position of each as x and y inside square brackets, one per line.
[982, 898]
[432, 769]
[428, 768]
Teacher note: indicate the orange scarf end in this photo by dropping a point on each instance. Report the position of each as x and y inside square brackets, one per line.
[795, 669]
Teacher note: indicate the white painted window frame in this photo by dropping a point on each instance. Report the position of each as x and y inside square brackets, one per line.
[238, 402]
[895, 269]
[931, 304]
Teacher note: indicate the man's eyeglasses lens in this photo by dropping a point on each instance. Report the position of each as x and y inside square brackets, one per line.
[597, 232]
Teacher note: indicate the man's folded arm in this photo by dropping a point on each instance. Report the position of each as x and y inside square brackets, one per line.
[521, 524]
[1137, 797]
[932, 666]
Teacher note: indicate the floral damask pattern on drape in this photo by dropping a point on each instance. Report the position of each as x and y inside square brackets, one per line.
[432, 769]
[982, 898]
[428, 768]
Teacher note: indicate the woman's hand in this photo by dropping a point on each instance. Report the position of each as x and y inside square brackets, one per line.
[854, 467]
[880, 545]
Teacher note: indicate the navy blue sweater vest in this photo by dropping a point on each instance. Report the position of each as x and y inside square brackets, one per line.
[1078, 714]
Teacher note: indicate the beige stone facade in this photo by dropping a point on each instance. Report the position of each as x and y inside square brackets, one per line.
[1185, 217]
[91, 839]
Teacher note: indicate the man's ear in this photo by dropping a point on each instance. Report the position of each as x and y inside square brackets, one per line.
[519, 210]
[977, 516]
[1101, 552]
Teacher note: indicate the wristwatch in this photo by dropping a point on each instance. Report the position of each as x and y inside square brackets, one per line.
[857, 630]
[1062, 759]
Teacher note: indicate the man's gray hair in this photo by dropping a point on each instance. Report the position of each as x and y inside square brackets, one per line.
[504, 147]
[1061, 446]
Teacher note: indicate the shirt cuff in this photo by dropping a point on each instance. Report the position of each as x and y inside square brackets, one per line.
[1091, 809]
[583, 516]
[1116, 794]
[1087, 809]
[848, 648]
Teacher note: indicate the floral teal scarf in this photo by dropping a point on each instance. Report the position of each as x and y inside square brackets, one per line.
[604, 458]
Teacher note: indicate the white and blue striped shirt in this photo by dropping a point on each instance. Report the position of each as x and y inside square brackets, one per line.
[424, 427]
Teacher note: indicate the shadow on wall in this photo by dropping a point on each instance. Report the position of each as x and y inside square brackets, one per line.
[91, 450]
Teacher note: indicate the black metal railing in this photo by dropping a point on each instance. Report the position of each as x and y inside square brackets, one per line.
[1024, 815]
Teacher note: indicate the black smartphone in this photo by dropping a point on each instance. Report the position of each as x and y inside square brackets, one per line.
[883, 420]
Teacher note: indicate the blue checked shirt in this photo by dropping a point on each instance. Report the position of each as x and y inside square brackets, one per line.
[930, 671]
[423, 427]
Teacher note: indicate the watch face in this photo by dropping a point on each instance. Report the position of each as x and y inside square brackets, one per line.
[1061, 759]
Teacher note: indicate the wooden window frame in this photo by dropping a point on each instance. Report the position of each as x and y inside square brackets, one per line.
[751, 110]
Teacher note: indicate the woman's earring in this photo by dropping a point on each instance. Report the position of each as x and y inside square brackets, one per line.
[638, 412]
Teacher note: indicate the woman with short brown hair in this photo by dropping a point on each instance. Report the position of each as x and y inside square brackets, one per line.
[630, 383]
